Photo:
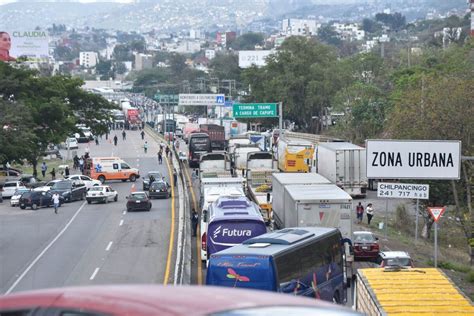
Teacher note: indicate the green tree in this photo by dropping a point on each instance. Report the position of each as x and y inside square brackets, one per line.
[247, 41]
[225, 66]
[328, 35]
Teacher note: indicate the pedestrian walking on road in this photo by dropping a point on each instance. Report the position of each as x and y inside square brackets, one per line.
[167, 151]
[359, 212]
[145, 147]
[81, 164]
[96, 140]
[370, 212]
[194, 221]
[160, 157]
[44, 167]
[53, 174]
[124, 135]
[115, 140]
[66, 171]
[175, 176]
[171, 156]
[56, 202]
[143, 134]
[76, 162]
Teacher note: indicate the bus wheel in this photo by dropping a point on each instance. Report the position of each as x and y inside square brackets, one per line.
[133, 178]
[336, 299]
[101, 179]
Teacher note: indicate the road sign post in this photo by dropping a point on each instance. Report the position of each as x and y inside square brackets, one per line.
[436, 213]
[254, 110]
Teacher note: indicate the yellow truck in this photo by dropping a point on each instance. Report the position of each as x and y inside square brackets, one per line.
[295, 155]
[414, 291]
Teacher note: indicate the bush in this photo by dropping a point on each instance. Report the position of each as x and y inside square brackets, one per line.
[470, 276]
[403, 221]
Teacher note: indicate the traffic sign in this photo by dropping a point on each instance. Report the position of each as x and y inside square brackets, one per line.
[228, 103]
[436, 212]
[413, 159]
[403, 190]
[201, 99]
[253, 110]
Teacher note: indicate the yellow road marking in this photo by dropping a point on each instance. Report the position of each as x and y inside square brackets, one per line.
[170, 246]
[198, 232]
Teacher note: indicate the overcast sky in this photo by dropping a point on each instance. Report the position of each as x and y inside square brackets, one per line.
[83, 1]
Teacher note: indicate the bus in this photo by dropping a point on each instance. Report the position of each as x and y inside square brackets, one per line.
[232, 220]
[305, 261]
[199, 143]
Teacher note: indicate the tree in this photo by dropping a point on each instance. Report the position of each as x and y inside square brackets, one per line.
[104, 69]
[225, 66]
[120, 68]
[177, 64]
[247, 41]
[371, 26]
[395, 21]
[328, 35]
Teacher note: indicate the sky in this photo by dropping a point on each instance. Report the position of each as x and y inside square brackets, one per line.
[83, 1]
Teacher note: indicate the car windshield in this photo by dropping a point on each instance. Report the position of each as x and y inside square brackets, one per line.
[62, 185]
[21, 191]
[139, 196]
[155, 175]
[10, 184]
[404, 262]
[98, 189]
[362, 238]
[158, 185]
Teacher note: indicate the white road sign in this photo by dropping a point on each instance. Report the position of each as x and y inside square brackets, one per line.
[436, 212]
[201, 99]
[403, 190]
[247, 58]
[413, 159]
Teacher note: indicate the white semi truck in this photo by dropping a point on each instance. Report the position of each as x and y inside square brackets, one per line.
[344, 164]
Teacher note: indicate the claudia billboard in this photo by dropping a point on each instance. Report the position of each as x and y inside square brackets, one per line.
[27, 45]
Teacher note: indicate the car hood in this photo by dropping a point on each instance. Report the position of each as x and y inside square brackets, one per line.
[60, 190]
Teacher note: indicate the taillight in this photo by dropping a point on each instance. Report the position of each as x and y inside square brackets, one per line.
[382, 264]
[376, 247]
[203, 241]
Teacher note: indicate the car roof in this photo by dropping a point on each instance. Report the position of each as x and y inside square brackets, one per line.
[12, 182]
[160, 300]
[138, 192]
[394, 254]
[362, 232]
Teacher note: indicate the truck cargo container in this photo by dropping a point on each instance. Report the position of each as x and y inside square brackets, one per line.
[344, 164]
[239, 155]
[294, 155]
[413, 291]
[216, 135]
[281, 180]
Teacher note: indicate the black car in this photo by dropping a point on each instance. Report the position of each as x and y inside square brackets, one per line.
[138, 201]
[154, 175]
[69, 190]
[159, 189]
[37, 199]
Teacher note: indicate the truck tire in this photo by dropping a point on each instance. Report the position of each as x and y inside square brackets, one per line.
[133, 178]
[101, 178]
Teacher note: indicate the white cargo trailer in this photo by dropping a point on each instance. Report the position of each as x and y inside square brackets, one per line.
[344, 164]
[280, 180]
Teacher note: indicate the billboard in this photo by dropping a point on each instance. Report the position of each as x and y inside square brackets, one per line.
[31, 45]
[247, 58]
[413, 159]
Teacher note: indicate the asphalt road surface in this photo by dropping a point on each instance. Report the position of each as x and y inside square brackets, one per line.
[90, 244]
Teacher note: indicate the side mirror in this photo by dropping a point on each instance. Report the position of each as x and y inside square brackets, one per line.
[127, 197]
[376, 238]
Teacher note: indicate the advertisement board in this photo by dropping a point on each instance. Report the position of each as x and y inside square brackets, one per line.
[31, 45]
[413, 159]
[247, 58]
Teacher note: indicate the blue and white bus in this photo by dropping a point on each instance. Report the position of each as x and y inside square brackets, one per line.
[232, 220]
[306, 261]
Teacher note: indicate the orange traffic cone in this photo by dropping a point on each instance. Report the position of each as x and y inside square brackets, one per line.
[133, 189]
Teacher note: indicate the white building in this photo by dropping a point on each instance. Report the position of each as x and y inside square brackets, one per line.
[143, 61]
[210, 54]
[349, 31]
[186, 47]
[88, 59]
[300, 27]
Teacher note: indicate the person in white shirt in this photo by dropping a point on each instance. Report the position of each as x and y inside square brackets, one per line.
[56, 202]
[370, 212]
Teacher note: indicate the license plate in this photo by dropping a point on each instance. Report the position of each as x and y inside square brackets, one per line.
[138, 202]
[365, 248]
[93, 194]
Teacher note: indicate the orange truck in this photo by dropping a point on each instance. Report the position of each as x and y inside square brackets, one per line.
[110, 168]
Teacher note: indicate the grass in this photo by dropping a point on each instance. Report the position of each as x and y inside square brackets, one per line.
[51, 163]
[470, 276]
[454, 267]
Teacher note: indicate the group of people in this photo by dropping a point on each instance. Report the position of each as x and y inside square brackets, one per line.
[360, 212]
[168, 152]
[79, 162]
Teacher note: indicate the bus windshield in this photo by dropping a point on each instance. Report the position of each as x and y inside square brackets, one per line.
[199, 143]
[246, 271]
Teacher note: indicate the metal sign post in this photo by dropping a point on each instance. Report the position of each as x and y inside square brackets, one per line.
[436, 213]
[416, 220]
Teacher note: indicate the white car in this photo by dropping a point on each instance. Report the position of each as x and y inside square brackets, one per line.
[48, 186]
[10, 187]
[72, 143]
[101, 193]
[15, 199]
[88, 181]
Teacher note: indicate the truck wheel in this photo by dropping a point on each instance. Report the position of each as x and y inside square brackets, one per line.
[101, 179]
[22, 206]
[132, 178]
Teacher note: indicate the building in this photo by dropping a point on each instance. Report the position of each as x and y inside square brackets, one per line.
[210, 54]
[88, 59]
[143, 61]
[349, 31]
[300, 27]
[224, 39]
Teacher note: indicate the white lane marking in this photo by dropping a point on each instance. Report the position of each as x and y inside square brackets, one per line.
[121, 223]
[94, 274]
[124, 212]
[109, 246]
[45, 249]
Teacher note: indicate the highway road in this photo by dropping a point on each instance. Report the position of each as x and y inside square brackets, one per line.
[91, 244]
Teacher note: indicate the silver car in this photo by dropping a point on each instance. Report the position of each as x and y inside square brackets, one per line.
[15, 199]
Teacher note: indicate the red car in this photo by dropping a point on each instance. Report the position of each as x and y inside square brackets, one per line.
[366, 246]
[148, 300]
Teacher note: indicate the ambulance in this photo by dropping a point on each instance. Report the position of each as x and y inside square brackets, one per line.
[110, 168]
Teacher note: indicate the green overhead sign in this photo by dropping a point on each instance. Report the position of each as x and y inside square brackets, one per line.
[254, 110]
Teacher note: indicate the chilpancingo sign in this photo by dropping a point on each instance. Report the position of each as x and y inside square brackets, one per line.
[394, 159]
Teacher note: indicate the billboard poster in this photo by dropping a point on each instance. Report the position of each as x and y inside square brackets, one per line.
[247, 58]
[29, 45]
